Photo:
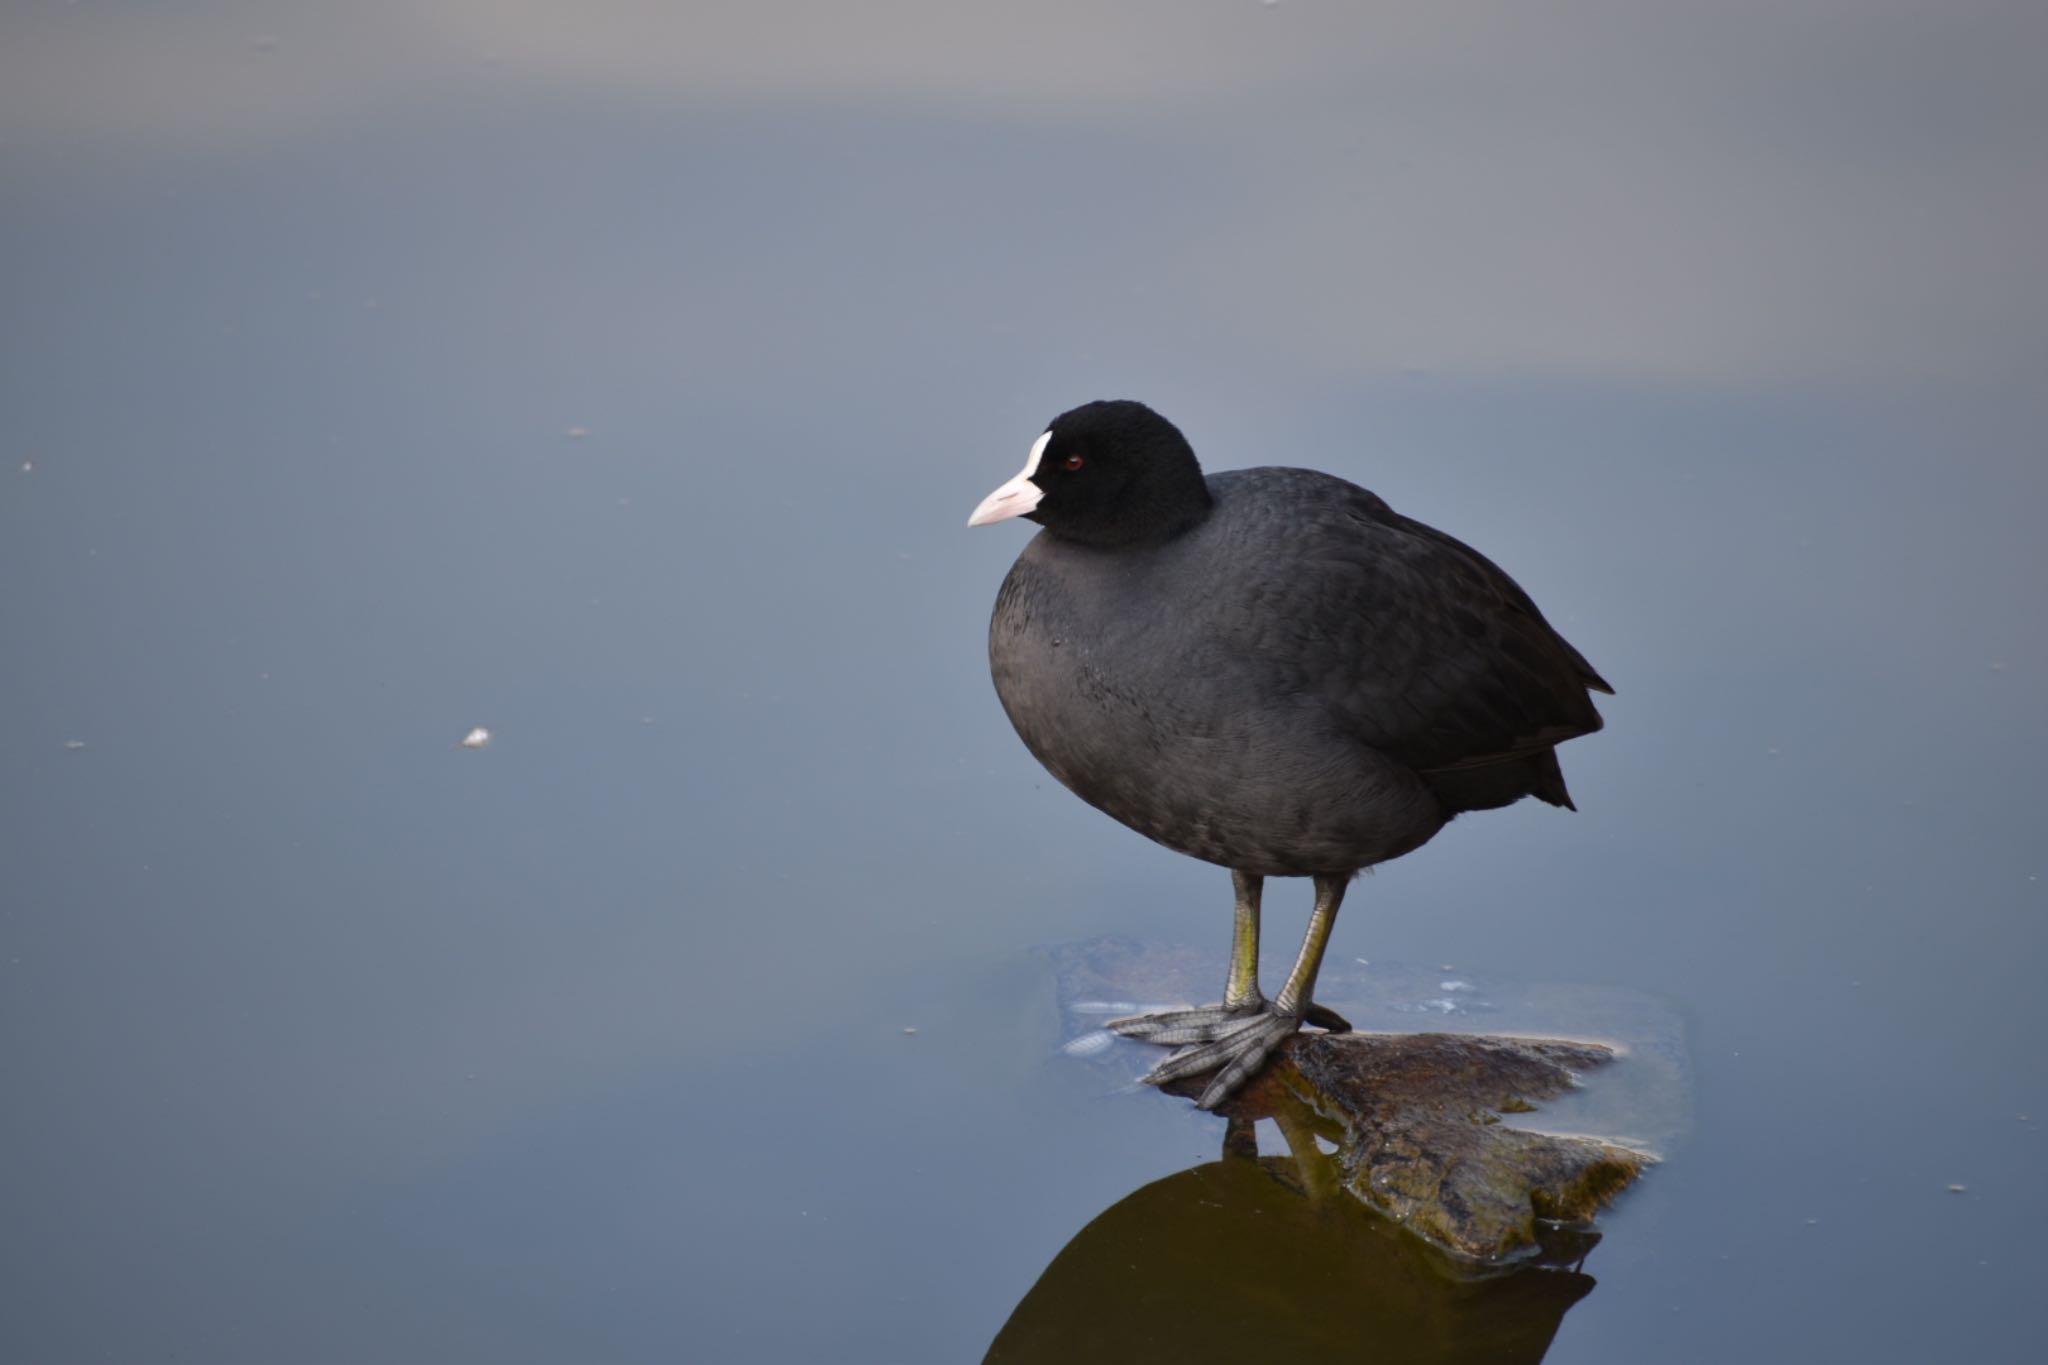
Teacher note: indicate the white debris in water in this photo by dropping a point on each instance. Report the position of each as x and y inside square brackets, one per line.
[1454, 986]
[477, 738]
[74, 744]
[1959, 1189]
[908, 1032]
[577, 433]
[28, 466]
[1090, 1044]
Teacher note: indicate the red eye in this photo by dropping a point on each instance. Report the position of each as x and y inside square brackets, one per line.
[1071, 462]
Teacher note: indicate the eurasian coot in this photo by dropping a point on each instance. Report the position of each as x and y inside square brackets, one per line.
[1271, 670]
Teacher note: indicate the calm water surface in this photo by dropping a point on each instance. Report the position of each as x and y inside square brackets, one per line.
[619, 377]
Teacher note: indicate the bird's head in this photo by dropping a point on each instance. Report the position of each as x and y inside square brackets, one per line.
[1106, 473]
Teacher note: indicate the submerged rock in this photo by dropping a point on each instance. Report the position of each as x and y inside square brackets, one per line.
[1440, 1131]
[1416, 1120]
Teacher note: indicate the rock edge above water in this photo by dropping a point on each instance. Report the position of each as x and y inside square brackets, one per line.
[1417, 1123]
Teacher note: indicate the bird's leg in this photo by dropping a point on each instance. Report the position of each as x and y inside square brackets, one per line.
[1241, 992]
[1241, 995]
[1297, 1127]
[1240, 1138]
[1301, 982]
[1237, 1050]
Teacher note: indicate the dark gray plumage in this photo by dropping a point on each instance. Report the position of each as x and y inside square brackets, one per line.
[1269, 669]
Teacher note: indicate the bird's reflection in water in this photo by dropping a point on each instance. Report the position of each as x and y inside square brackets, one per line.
[1256, 1258]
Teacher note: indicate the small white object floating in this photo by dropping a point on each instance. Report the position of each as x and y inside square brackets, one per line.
[1089, 1044]
[74, 744]
[477, 738]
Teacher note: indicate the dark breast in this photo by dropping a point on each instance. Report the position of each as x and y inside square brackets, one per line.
[1304, 683]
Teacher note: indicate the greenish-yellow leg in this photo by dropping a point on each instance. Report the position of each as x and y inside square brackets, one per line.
[1242, 990]
[1301, 982]
[1235, 1038]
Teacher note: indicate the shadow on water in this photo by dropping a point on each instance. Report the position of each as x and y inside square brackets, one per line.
[1422, 1212]
[1266, 1258]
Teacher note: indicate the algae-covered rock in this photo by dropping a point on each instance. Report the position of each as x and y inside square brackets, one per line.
[1438, 1107]
[1417, 1121]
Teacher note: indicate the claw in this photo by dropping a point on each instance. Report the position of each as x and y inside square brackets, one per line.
[1323, 1017]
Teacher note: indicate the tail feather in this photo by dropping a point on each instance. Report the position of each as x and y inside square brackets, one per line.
[1493, 785]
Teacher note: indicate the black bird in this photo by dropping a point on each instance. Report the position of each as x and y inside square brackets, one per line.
[1268, 669]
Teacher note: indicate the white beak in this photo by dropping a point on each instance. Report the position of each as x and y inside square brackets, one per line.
[1016, 497]
[1013, 499]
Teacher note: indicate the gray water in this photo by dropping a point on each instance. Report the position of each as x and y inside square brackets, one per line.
[618, 377]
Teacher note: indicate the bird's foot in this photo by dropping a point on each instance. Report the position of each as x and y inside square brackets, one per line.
[1209, 1023]
[1231, 1040]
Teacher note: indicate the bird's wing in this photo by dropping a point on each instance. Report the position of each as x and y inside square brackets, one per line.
[1418, 645]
